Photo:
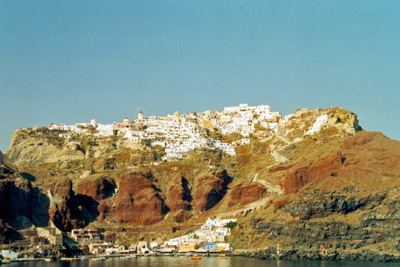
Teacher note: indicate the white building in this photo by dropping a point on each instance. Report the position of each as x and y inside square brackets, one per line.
[321, 120]
[9, 254]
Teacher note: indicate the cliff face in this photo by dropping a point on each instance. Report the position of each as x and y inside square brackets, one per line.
[66, 211]
[344, 199]
[39, 148]
[22, 205]
[210, 190]
[337, 187]
[138, 201]
[179, 199]
[247, 192]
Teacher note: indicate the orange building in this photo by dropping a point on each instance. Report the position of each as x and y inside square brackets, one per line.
[188, 247]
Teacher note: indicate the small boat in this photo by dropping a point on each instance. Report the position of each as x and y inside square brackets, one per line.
[68, 259]
[84, 258]
[131, 256]
[223, 258]
[99, 259]
[48, 259]
[195, 258]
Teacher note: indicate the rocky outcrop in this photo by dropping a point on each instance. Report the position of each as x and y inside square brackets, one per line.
[297, 177]
[325, 255]
[343, 121]
[39, 148]
[22, 205]
[210, 190]
[138, 201]
[246, 192]
[179, 199]
[94, 192]
[15, 198]
[320, 204]
[97, 187]
[66, 211]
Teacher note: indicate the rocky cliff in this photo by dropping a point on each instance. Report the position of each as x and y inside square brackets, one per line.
[34, 147]
[337, 188]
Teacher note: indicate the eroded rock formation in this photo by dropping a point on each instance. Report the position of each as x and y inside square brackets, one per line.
[138, 201]
[210, 190]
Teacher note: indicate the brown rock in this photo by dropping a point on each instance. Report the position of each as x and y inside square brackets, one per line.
[182, 216]
[179, 196]
[296, 178]
[69, 213]
[179, 199]
[210, 190]
[138, 201]
[105, 209]
[97, 188]
[63, 188]
[246, 192]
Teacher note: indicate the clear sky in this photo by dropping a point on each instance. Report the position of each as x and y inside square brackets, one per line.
[71, 61]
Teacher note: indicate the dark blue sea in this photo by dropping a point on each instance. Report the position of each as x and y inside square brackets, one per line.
[205, 261]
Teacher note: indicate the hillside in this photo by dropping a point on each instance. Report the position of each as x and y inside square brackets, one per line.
[302, 185]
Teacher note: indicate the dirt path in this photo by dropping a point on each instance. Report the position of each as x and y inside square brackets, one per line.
[254, 205]
[247, 208]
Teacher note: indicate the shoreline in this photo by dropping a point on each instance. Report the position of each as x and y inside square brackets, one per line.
[267, 254]
[329, 255]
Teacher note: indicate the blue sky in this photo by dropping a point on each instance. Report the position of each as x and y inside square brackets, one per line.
[71, 61]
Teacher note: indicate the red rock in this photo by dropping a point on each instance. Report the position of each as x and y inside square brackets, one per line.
[177, 197]
[138, 202]
[68, 213]
[182, 216]
[246, 192]
[105, 209]
[297, 177]
[210, 190]
[98, 188]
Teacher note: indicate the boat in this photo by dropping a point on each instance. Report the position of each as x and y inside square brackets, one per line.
[69, 259]
[195, 258]
[99, 259]
[223, 258]
[133, 256]
[84, 258]
[48, 259]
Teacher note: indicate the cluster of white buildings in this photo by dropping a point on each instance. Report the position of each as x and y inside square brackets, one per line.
[212, 236]
[318, 124]
[180, 134]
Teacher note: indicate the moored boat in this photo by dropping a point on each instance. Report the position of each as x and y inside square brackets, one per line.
[69, 259]
[99, 259]
[131, 257]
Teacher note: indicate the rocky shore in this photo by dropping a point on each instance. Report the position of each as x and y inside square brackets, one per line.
[296, 254]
